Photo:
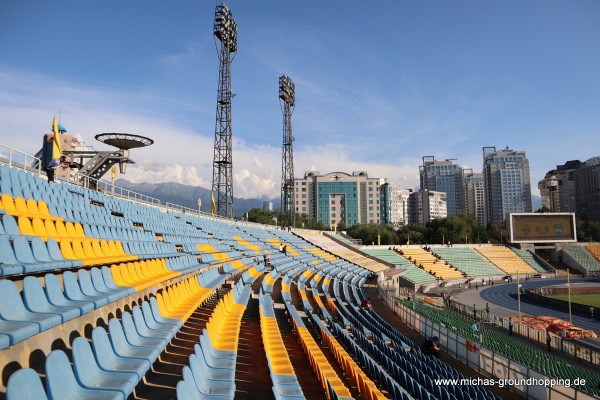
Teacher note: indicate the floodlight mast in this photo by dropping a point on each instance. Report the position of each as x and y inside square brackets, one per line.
[225, 30]
[288, 102]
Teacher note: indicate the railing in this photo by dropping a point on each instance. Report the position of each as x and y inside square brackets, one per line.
[486, 361]
[19, 159]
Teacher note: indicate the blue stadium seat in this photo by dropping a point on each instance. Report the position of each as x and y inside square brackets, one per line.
[108, 360]
[24, 254]
[137, 339]
[56, 255]
[10, 226]
[125, 349]
[41, 254]
[158, 316]
[56, 296]
[25, 384]
[9, 265]
[152, 323]
[186, 390]
[144, 330]
[73, 291]
[88, 288]
[62, 385]
[35, 300]
[13, 309]
[114, 293]
[91, 376]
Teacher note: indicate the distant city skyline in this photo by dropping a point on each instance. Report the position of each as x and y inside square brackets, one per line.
[378, 86]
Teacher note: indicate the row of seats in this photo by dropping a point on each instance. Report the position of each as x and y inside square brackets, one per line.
[40, 308]
[325, 372]
[363, 383]
[529, 356]
[285, 381]
[212, 368]
[506, 259]
[584, 258]
[20, 256]
[109, 367]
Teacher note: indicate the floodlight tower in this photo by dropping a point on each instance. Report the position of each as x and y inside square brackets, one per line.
[288, 101]
[225, 30]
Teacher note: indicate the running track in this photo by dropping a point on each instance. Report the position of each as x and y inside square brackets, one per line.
[506, 296]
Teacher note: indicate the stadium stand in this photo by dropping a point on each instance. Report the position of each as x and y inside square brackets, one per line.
[413, 273]
[467, 260]
[426, 261]
[97, 291]
[506, 260]
[530, 259]
[584, 257]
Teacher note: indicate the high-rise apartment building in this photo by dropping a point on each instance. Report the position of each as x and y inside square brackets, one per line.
[474, 194]
[425, 205]
[507, 183]
[394, 205]
[447, 177]
[587, 190]
[339, 197]
[558, 187]
[267, 206]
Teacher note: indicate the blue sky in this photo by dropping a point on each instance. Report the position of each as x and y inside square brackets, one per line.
[378, 85]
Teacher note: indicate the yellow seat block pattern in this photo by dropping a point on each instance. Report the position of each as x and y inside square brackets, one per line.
[224, 324]
[319, 362]
[506, 259]
[274, 347]
[181, 300]
[94, 251]
[430, 264]
[142, 274]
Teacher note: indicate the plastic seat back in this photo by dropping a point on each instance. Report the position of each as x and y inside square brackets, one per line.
[108, 360]
[7, 254]
[25, 226]
[10, 226]
[8, 203]
[23, 251]
[39, 229]
[32, 207]
[12, 308]
[89, 374]
[40, 251]
[61, 383]
[25, 384]
[34, 298]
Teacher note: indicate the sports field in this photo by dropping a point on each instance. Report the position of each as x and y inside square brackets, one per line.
[585, 299]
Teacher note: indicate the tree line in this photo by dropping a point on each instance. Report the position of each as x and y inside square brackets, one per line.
[456, 229]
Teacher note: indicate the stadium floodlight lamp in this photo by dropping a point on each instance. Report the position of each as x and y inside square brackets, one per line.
[287, 90]
[225, 27]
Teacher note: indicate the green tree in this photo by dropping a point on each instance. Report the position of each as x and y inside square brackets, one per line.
[373, 233]
[263, 217]
[588, 231]
[306, 222]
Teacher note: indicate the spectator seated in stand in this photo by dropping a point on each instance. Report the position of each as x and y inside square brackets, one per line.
[430, 347]
[366, 303]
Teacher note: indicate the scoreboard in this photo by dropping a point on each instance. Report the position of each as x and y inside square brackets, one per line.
[542, 227]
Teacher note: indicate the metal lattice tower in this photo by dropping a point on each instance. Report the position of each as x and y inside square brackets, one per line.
[225, 30]
[288, 102]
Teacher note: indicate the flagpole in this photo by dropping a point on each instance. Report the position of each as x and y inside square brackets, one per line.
[519, 295]
[569, 291]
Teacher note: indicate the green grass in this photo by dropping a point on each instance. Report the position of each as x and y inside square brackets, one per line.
[585, 299]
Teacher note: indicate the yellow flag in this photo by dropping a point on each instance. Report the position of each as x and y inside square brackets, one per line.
[56, 150]
[213, 208]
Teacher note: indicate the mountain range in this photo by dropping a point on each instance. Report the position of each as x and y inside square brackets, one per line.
[187, 196]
